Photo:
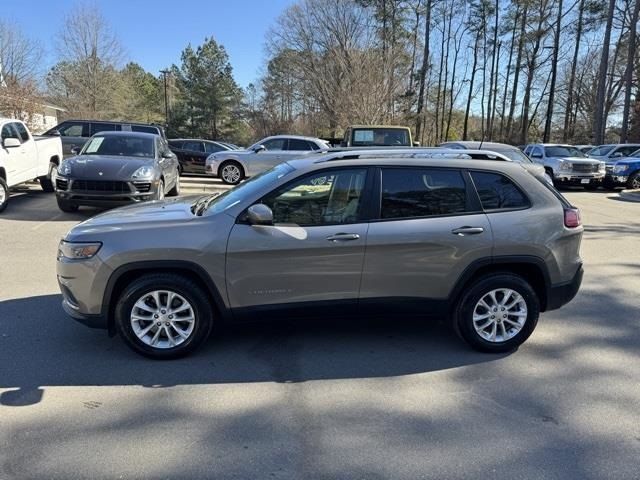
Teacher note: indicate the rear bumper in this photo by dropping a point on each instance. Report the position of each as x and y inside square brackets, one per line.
[563, 293]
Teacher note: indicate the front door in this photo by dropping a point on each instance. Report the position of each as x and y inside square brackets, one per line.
[311, 255]
[270, 157]
[430, 228]
[18, 167]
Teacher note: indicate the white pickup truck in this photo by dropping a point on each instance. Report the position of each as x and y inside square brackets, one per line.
[24, 157]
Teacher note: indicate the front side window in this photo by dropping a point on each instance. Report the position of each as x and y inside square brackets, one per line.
[627, 150]
[422, 192]
[601, 150]
[175, 144]
[324, 198]
[120, 145]
[496, 191]
[22, 131]
[9, 131]
[536, 152]
[275, 144]
[73, 129]
[212, 147]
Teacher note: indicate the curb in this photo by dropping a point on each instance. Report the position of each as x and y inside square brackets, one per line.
[630, 195]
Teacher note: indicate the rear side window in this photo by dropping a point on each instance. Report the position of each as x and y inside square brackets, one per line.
[212, 147]
[103, 127]
[193, 146]
[497, 192]
[144, 129]
[423, 192]
[297, 144]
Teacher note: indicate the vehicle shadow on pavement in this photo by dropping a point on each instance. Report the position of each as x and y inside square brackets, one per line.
[40, 346]
[34, 205]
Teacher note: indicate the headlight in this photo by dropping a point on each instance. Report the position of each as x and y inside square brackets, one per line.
[78, 250]
[143, 172]
[64, 169]
[620, 168]
[565, 166]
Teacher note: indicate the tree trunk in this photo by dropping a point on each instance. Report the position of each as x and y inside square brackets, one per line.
[465, 132]
[631, 52]
[569, 120]
[554, 71]
[509, 63]
[439, 88]
[423, 71]
[516, 76]
[493, 72]
[599, 120]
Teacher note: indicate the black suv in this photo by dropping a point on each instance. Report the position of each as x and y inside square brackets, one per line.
[75, 133]
[192, 152]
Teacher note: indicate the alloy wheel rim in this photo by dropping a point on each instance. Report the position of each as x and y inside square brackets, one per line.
[162, 319]
[635, 183]
[500, 315]
[3, 195]
[231, 173]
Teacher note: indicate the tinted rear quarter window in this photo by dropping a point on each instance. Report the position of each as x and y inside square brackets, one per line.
[422, 192]
[297, 144]
[498, 192]
[22, 130]
[103, 127]
[145, 129]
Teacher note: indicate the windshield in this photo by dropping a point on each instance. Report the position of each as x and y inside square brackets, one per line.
[246, 189]
[120, 145]
[563, 151]
[380, 137]
[514, 154]
[601, 150]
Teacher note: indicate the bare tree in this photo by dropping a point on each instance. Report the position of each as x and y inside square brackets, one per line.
[599, 120]
[423, 70]
[20, 59]
[628, 77]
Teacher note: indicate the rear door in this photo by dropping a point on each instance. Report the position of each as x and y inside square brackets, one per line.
[313, 252]
[265, 159]
[429, 229]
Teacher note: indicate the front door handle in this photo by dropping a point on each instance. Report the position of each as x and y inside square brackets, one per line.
[462, 231]
[343, 237]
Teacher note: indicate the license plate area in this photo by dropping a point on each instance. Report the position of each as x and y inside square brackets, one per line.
[585, 180]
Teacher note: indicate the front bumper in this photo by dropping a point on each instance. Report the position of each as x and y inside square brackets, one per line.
[579, 179]
[563, 293]
[91, 321]
[105, 193]
[616, 180]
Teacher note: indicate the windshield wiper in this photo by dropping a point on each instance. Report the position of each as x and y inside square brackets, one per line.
[201, 205]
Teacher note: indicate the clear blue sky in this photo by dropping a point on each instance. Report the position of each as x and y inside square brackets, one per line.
[154, 32]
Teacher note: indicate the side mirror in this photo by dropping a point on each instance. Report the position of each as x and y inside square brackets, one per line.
[416, 144]
[53, 133]
[75, 150]
[11, 142]
[259, 148]
[617, 155]
[536, 155]
[260, 214]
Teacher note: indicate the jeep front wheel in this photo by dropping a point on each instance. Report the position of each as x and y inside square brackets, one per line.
[163, 316]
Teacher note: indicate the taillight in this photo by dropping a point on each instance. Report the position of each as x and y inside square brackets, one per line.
[572, 218]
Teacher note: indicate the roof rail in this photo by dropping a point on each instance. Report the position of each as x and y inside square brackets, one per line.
[414, 152]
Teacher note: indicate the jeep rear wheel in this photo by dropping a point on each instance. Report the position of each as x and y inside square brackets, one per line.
[163, 316]
[497, 313]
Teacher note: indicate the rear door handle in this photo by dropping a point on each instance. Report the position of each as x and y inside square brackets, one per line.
[343, 237]
[462, 231]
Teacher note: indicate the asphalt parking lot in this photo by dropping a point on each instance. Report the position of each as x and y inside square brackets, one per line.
[392, 399]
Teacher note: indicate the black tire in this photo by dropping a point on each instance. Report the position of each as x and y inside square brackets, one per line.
[175, 191]
[4, 194]
[67, 206]
[229, 180]
[184, 287]
[47, 182]
[633, 182]
[463, 315]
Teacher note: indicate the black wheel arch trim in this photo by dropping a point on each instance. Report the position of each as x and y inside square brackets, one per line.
[505, 260]
[108, 303]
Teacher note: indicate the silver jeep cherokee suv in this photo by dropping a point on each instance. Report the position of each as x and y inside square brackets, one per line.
[483, 243]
